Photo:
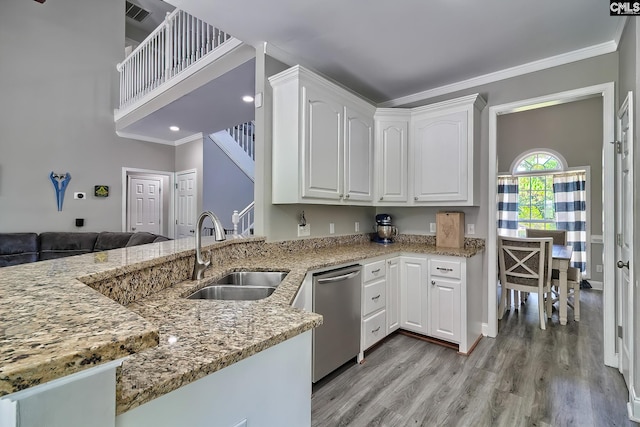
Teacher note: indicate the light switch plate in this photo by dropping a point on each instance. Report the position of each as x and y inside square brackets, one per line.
[332, 228]
[357, 227]
[304, 230]
[432, 227]
[471, 229]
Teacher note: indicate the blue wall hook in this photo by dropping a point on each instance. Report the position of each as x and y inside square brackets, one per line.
[60, 183]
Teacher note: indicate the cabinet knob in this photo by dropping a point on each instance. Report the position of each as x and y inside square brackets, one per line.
[381, 198]
[340, 195]
[347, 196]
[433, 282]
[415, 198]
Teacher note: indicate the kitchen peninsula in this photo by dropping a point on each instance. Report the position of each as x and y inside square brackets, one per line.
[57, 321]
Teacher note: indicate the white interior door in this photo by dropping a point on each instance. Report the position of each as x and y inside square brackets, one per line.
[624, 237]
[186, 192]
[145, 204]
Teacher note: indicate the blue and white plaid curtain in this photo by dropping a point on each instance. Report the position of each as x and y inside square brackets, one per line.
[570, 202]
[508, 206]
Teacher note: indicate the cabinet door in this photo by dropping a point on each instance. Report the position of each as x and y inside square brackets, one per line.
[358, 161]
[445, 309]
[440, 160]
[392, 161]
[414, 295]
[322, 146]
[393, 294]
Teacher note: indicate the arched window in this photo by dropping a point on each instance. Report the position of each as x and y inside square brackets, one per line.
[534, 171]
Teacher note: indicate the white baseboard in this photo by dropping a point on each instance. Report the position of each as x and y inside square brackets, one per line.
[633, 406]
[598, 286]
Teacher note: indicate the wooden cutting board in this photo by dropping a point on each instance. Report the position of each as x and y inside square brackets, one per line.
[450, 229]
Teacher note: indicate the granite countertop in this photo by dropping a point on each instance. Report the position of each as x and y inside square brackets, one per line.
[52, 324]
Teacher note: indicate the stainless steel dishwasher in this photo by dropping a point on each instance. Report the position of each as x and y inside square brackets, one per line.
[336, 295]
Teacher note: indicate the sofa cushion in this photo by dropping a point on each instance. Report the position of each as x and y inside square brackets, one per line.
[62, 244]
[160, 239]
[18, 248]
[141, 238]
[111, 240]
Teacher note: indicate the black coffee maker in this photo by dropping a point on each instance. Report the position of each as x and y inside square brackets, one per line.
[385, 232]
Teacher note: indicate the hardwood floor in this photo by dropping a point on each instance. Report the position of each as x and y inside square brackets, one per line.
[523, 377]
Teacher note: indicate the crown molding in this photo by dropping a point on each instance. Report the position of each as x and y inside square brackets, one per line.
[620, 30]
[190, 138]
[554, 61]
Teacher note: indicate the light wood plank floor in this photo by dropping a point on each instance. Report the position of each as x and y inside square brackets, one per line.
[523, 377]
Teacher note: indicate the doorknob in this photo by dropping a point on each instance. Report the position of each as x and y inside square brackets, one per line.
[621, 264]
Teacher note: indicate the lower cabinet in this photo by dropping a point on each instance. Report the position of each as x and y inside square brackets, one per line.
[433, 295]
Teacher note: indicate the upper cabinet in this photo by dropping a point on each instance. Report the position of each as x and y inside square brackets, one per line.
[329, 144]
[444, 161]
[322, 141]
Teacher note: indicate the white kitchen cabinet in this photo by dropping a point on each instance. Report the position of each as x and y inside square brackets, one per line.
[322, 141]
[374, 304]
[444, 167]
[445, 299]
[414, 294]
[393, 294]
[392, 155]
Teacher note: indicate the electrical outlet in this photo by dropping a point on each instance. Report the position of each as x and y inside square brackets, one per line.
[471, 229]
[432, 227]
[357, 226]
[599, 268]
[304, 230]
[79, 195]
[332, 228]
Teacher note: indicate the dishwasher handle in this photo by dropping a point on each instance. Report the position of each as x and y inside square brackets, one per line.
[339, 278]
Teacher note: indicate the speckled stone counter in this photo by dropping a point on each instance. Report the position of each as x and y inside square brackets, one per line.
[50, 318]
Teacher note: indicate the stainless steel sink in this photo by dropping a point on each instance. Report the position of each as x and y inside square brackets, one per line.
[242, 285]
[233, 292]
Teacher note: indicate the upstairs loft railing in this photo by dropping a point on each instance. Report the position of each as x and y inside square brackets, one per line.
[178, 42]
[244, 134]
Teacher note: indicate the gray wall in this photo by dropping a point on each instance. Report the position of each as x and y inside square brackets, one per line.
[226, 188]
[59, 87]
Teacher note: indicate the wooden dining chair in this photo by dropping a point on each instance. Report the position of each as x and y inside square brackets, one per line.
[574, 277]
[525, 266]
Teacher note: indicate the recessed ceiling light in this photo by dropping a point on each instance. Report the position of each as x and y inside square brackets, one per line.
[174, 128]
[247, 98]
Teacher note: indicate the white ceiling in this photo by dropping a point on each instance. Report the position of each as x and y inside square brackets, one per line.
[395, 52]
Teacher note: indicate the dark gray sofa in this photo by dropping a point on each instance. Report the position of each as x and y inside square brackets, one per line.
[21, 248]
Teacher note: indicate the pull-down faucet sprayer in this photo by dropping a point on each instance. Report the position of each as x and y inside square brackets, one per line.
[200, 265]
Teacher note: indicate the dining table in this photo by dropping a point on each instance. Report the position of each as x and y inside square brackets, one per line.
[561, 256]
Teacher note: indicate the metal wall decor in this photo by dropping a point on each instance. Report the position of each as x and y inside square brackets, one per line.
[101, 190]
[60, 183]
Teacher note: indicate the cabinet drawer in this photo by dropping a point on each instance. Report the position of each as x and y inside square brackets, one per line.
[443, 268]
[374, 297]
[373, 329]
[374, 270]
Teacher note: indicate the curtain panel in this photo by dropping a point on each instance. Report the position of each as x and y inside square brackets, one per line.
[507, 206]
[570, 202]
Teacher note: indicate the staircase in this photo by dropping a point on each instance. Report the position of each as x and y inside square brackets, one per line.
[238, 142]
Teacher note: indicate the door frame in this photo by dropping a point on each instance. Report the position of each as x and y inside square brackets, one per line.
[606, 90]
[126, 172]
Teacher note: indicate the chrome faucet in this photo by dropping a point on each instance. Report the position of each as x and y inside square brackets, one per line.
[200, 265]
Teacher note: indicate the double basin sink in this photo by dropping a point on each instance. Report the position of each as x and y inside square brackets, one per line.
[242, 285]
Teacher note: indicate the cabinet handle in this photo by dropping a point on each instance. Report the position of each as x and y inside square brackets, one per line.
[376, 297]
[375, 271]
[389, 262]
[415, 198]
[373, 331]
[444, 269]
[381, 198]
[347, 196]
[433, 282]
[340, 195]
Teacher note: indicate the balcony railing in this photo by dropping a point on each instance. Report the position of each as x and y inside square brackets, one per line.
[244, 135]
[179, 42]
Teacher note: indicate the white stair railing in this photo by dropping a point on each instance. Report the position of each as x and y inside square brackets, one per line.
[178, 42]
[243, 221]
[244, 134]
